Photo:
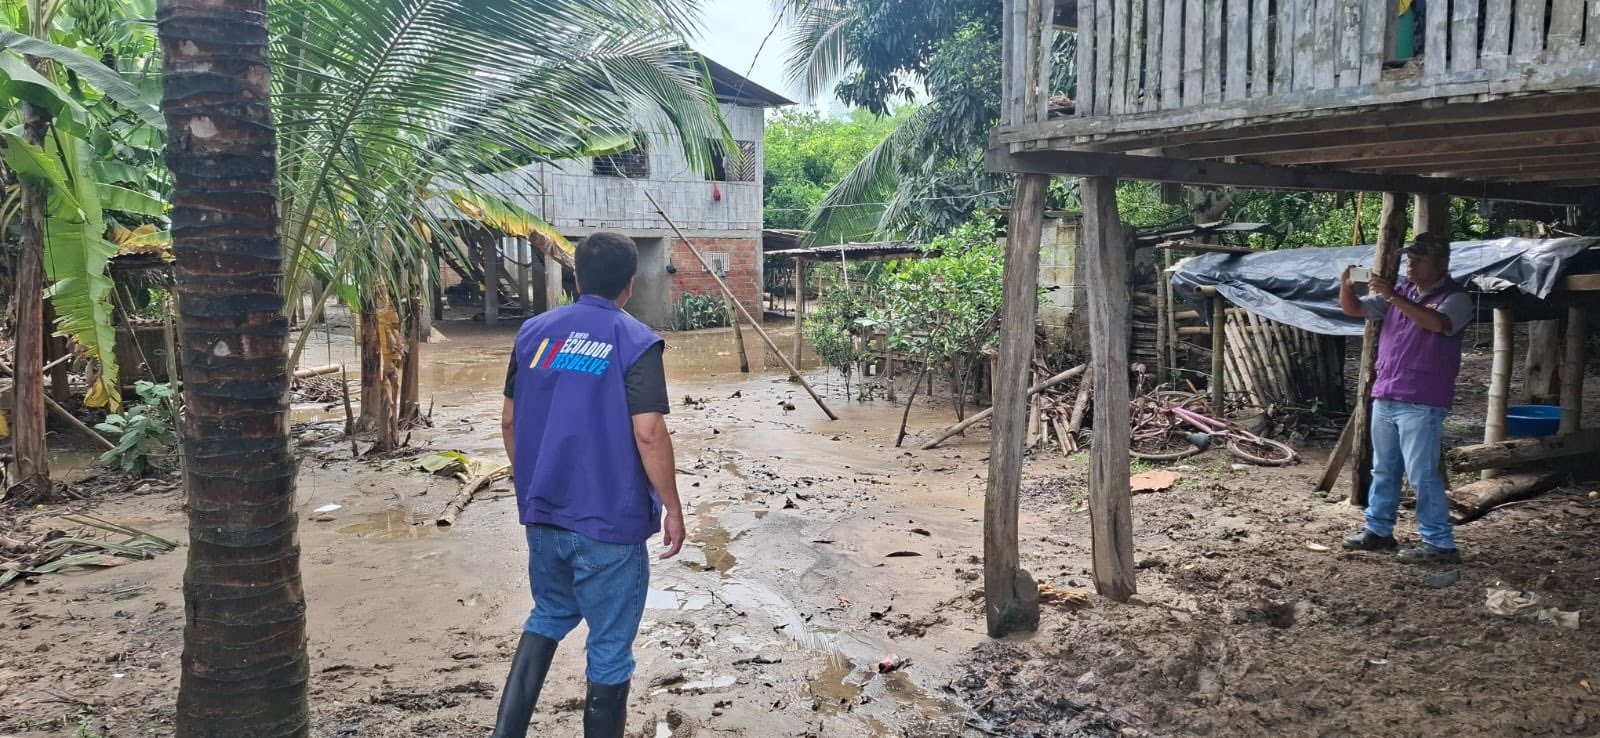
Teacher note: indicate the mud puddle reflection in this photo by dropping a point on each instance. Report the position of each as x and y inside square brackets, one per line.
[713, 538]
[393, 523]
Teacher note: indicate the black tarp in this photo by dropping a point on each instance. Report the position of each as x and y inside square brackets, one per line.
[1300, 287]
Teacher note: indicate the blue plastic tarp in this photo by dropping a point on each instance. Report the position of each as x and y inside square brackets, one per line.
[1300, 287]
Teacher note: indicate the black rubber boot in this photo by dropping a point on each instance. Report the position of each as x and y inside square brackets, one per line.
[605, 710]
[528, 669]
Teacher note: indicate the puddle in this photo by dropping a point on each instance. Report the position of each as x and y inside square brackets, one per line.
[658, 599]
[694, 355]
[734, 470]
[394, 523]
[713, 538]
[68, 466]
[834, 691]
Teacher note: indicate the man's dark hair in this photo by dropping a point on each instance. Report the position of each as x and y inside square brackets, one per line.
[605, 262]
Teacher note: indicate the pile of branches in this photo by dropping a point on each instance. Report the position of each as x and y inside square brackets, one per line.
[1059, 413]
[323, 390]
[95, 543]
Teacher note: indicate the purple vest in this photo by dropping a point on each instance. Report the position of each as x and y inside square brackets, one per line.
[1417, 365]
[577, 466]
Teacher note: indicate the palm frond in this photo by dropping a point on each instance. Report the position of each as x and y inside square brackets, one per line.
[380, 100]
[854, 209]
[820, 51]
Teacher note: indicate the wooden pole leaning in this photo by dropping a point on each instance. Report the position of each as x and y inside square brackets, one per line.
[728, 292]
[1386, 263]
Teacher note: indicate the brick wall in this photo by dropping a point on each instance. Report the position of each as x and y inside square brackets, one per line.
[744, 274]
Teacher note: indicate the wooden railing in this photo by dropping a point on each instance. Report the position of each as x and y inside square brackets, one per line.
[1140, 56]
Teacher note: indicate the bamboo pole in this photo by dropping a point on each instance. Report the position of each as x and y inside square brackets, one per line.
[1572, 369]
[728, 292]
[1219, 343]
[319, 371]
[1494, 426]
[1163, 327]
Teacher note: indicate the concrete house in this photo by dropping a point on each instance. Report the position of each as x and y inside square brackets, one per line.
[722, 213]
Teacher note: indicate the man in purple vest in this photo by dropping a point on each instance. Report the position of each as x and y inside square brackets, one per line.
[1419, 356]
[585, 428]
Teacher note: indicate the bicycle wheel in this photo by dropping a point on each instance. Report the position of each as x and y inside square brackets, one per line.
[1262, 451]
[1162, 448]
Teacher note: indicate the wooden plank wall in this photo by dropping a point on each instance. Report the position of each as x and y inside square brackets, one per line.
[1145, 56]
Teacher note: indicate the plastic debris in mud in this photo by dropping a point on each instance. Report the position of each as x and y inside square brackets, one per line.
[1513, 604]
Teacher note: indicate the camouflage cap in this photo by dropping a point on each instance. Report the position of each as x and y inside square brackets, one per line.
[1429, 244]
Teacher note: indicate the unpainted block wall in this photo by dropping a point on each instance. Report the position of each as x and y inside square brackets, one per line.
[744, 273]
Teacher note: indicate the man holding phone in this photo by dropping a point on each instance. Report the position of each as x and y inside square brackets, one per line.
[1419, 356]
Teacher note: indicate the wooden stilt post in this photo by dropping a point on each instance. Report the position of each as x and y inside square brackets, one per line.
[524, 268]
[1572, 370]
[489, 256]
[1009, 605]
[1391, 237]
[799, 314]
[738, 339]
[1431, 215]
[553, 288]
[1494, 426]
[1110, 500]
[1540, 380]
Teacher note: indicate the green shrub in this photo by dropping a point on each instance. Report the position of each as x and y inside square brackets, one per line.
[694, 311]
[146, 433]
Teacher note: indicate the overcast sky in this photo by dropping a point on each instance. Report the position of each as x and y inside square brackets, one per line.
[733, 31]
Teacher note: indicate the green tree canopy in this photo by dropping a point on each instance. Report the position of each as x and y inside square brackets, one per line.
[808, 153]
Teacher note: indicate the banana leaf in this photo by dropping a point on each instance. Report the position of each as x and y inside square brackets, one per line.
[124, 200]
[19, 82]
[76, 256]
[506, 217]
[98, 75]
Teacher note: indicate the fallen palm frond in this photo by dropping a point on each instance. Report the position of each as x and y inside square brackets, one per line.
[56, 551]
[464, 497]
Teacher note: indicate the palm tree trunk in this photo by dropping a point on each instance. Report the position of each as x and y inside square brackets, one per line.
[32, 478]
[411, 377]
[369, 342]
[245, 668]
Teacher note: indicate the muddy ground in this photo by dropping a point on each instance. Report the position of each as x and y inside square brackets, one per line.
[817, 551]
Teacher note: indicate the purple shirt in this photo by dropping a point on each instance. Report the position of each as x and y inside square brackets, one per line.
[1416, 365]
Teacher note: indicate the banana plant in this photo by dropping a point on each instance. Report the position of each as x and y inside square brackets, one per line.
[80, 189]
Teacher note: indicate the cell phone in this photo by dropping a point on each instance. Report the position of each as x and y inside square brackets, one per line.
[1360, 274]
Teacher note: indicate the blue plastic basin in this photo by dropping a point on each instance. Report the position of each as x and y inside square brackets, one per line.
[1528, 421]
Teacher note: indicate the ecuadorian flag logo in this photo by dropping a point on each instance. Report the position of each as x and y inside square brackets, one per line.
[575, 353]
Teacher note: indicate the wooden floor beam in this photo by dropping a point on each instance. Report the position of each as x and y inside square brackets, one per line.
[1110, 500]
[1261, 176]
[1416, 135]
[1142, 132]
[1458, 149]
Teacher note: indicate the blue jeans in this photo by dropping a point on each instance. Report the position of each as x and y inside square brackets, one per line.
[1407, 439]
[576, 578]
